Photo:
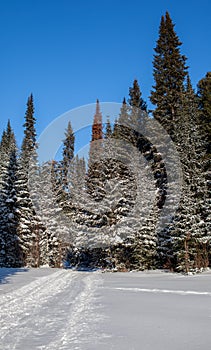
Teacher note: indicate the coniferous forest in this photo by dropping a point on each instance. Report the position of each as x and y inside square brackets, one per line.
[119, 236]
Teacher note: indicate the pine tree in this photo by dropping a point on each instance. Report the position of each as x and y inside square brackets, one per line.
[169, 74]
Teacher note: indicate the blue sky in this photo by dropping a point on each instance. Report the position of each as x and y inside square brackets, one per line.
[68, 53]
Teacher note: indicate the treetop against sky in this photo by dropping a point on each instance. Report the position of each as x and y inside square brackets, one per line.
[70, 53]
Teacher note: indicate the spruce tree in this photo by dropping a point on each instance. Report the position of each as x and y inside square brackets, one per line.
[28, 229]
[135, 98]
[108, 132]
[97, 135]
[68, 153]
[204, 100]
[169, 74]
[7, 145]
[190, 230]
[29, 141]
[136, 227]
[53, 232]
[10, 251]
[95, 163]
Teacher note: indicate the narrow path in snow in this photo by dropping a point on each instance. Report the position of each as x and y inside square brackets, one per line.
[50, 313]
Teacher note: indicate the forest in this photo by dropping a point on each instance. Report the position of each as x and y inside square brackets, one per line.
[106, 213]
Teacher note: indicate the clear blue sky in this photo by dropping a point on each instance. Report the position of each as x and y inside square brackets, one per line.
[68, 53]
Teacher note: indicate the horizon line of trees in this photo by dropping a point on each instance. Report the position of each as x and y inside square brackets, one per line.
[103, 216]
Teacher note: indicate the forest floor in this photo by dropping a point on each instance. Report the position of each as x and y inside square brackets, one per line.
[57, 309]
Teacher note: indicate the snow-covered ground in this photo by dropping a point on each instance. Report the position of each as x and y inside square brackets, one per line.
[52, 309]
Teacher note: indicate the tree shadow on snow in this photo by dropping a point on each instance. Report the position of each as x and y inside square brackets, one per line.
[6, 272]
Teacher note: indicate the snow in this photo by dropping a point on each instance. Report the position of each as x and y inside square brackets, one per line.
[55, 309]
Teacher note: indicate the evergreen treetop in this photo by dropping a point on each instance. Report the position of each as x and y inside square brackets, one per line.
[29, 140]
[135, 99]
[169, 74]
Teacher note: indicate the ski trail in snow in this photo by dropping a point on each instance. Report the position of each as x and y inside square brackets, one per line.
[20, 305]
[79, 331]
[31, 288]
[169, 291]
[52, 312]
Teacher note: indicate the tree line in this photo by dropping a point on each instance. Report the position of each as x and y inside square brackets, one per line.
[105, 214]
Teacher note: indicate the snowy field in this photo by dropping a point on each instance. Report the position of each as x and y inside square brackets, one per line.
[52, 309]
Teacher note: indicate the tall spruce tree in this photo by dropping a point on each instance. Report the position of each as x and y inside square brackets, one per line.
[68, 153]
[29, 141]
[28, 222]
[169, 73]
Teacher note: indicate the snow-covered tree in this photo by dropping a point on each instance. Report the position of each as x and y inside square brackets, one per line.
[191, 229]
[10, 250]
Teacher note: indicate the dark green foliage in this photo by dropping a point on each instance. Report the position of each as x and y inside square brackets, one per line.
[169, 74]
[135, 99]
[29, 141]
[204, 100]
[68, 153]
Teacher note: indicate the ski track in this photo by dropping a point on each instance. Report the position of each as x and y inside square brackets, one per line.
[168, 291]
[50, 313]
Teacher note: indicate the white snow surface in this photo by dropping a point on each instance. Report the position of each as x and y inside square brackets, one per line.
[56, 309]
